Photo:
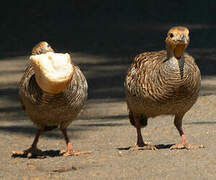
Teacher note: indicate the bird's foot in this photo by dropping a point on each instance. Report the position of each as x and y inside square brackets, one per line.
[185, 146]
[30, 153]
[73, 153]
[143, 147]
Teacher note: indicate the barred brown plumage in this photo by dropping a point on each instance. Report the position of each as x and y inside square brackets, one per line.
[49, 111]
[163, 82]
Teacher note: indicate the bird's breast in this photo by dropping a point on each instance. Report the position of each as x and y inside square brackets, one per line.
[163, 82]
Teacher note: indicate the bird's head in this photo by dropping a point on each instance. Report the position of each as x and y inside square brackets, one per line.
[41, 48]
[177, 41]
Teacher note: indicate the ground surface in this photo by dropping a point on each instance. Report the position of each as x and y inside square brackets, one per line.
[103, 127]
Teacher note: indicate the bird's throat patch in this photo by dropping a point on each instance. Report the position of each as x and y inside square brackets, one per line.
[178, 50]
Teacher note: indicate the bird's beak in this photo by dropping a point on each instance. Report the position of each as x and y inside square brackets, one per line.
[182, 43]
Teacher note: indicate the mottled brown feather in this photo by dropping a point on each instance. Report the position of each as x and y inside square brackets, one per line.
[163, 82]
[155, 85]
[46, 109]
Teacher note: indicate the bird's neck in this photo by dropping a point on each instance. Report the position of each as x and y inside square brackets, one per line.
[175, 64]
[170, 54]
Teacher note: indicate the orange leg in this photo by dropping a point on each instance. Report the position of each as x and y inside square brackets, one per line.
[184, 144]
[70, 150]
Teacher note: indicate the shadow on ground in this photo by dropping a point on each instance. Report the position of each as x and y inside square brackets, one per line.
[158, 146]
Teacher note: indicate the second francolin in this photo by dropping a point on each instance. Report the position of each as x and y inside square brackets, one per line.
[163, 82]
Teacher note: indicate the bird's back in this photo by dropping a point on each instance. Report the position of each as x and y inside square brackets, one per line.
[47, 109]
[156, 85]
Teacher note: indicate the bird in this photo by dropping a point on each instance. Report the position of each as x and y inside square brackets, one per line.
[47, 110]
[165, 82]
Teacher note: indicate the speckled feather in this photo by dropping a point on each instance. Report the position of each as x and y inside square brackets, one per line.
[155, 85]
[46, 109]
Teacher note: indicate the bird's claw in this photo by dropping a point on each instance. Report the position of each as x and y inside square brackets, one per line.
[144, 147]
[29, 153]
[73, 153]
[186, 146]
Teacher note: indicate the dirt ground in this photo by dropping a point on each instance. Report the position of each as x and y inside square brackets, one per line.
[104, 128]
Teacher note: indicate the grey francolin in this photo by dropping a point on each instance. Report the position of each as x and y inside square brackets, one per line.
[163, 82]
[52, 109]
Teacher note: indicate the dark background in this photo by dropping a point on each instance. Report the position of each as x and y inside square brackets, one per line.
[114, 31]
[114, 27]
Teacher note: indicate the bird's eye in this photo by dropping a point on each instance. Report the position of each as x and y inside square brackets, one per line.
[171, 35]
[48, 45]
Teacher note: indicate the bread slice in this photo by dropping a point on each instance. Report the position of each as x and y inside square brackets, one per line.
[53, 71]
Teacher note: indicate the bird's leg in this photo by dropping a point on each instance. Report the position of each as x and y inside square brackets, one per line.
[184, 144]
[70, 150]
[33, 151]
[140, 141]
[140, 145]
